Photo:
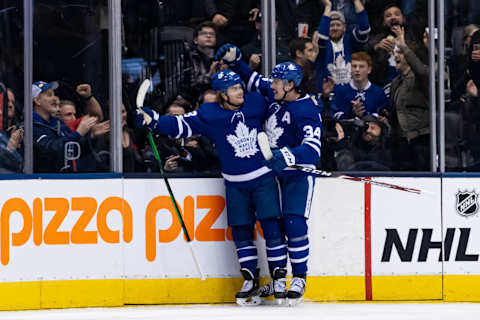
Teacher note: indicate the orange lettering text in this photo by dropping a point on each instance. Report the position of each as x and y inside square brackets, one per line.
[204, 232]
[51, 235]
[79, 235]
[20, 238]
[122, 206]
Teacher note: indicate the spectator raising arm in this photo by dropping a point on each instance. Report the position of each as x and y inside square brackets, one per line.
[336, 45]
[418, 67]
[93, 107]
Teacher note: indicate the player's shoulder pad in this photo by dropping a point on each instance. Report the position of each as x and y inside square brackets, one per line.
[254, 97]
[309, 101]
[317, 102]
[308, 106]
[208, 107]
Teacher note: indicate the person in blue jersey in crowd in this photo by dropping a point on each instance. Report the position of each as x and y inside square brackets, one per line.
[359, 97]
[294, 129]
[233, 123]
[336, 45]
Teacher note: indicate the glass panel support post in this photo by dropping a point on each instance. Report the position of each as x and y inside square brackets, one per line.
[115, 84]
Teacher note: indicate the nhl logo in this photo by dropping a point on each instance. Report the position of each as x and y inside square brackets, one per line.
[467, 203]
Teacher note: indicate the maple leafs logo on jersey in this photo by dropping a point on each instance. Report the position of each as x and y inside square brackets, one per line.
[273, 132]
[244, 141]
[340, 70]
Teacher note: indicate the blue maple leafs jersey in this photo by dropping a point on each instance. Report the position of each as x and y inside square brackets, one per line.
[234, 133]
[373, 98]
[294, 124]
[334, 59]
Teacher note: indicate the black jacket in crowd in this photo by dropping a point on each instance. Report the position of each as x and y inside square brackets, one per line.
[54, 143]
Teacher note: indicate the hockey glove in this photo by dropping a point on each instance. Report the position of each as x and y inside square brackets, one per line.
[145, 117]
[281, 159]
[229, 54]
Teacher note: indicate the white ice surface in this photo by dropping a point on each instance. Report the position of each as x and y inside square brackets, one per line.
[308, 310]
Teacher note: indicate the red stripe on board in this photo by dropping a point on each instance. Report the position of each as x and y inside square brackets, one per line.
[368, 241]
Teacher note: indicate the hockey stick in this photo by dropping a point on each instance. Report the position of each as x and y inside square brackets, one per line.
[267, 154]
[142, 92]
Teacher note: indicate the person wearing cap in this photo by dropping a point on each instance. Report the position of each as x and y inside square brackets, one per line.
[381, 46]
[52, 139]
[233, 122]
[336, 45]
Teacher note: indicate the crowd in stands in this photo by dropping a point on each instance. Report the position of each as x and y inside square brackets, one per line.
[366, 59]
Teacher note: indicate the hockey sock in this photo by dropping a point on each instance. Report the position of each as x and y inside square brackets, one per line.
[275, 243]
[298, 246]
[246, 249]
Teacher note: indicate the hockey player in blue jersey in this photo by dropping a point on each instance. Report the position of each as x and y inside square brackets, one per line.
[294, 129]
[233, 123]
[359, 97]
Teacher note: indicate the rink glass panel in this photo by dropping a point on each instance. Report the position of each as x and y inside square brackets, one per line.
[70, 46]
[461, 82]
[11, 82]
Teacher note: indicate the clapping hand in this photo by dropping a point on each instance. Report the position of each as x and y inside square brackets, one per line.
[253, 14]
[86, 124]
[475, 54]
[387, 44]
[472, 89]
[327, 86]
[358, 107]
[400, 33]
[171, 164]
[15, 139]
[340, 132]
[101, 128]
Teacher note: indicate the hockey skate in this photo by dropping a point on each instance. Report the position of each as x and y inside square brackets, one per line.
[296, 291]
[277, 287]
[249, 295]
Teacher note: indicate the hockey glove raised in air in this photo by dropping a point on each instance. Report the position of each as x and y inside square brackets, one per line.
[281, 159]
[229, 54]
[145, 117]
